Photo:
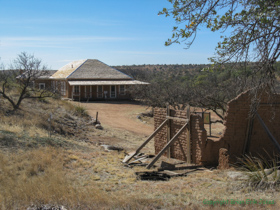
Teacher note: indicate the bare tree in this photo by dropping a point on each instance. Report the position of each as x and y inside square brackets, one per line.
[15, 88]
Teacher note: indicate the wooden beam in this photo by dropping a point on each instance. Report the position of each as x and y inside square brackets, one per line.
[168, 128]
[167, 145]
[248, 135]
[147, 140]
[189, 136]
[271, 137]
[176, 118]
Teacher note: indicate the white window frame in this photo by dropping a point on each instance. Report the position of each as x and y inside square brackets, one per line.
[43, 85]
[122, 92]
[99, 94]
[114, 91]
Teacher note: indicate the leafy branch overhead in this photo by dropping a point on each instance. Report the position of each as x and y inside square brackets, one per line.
[254, 27]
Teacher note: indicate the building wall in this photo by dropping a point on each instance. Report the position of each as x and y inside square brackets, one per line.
[46, 81]
[84, 96]
[106, 88]
[236, 122]
[200, 147]
[205, 151]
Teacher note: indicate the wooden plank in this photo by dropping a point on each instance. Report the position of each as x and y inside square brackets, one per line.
[271, 137]
[147, 141]
[176, 118]
[167, 145]
[188, 136]
[210, 124]
[248, 135]
[168, 129]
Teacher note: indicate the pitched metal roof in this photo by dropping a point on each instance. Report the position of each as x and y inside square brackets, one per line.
[66, 70]
[108, 82]
[95, 69]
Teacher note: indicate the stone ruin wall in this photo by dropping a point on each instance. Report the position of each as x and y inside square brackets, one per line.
[206, 152]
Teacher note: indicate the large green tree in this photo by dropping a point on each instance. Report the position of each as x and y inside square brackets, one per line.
[254, 27]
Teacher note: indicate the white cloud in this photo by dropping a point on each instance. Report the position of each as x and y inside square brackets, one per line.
[95, 22]
[55, 41]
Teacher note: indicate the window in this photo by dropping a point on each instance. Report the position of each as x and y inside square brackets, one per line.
[88, 92]
[99, 91]
[76, 89]
[113, 91]
[53, 85]
[41, 86]
[122, 90]
[63, 88]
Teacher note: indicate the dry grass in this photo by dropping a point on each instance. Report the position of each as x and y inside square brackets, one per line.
[93, 179]
[39, 177]
[81, 175]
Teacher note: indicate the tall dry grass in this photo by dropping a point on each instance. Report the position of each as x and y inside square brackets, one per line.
[38, 177]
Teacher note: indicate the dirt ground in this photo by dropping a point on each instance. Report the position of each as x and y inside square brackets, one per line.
[121, 115]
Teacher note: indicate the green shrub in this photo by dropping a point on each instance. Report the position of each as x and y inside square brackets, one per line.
[262, 172]
[79, 110]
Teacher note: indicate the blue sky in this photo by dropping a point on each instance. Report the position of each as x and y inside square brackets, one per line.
[117, 32]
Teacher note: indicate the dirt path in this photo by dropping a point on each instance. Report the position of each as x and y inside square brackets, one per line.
[120, 115]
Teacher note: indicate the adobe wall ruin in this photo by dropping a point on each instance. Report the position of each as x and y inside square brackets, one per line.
[205, 151]
[237, 119]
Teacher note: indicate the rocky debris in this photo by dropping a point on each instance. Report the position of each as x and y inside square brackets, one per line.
[139, 160]
[145, 114]
[139, 117]
[110, 147]
[93, 121]
[166, 166]
[152, 176]
[270, 173]
[98, 126]
[148, 114]
[274, 176]
[237, 175]
[46, 207]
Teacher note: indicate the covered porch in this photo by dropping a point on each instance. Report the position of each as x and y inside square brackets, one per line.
[101, 90]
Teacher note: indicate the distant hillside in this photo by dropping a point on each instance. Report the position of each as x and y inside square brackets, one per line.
[176, 70]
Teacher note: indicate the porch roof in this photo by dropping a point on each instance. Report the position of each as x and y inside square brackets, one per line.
[123, 82]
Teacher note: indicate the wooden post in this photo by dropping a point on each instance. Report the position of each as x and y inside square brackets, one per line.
[248, 135]
[147, 140]
[189, 136]
[271, 137]
[168, 128]
[210, 123]
[167, 145]
[96, 118]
